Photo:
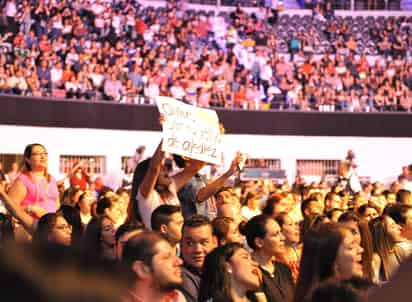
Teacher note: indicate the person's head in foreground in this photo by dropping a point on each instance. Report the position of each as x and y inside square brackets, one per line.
[328, 251]
[154, 265]
[228, 274]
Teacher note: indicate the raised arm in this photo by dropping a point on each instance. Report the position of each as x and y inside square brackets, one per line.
[182, 178]
[16, 211]
[150, 179]
[210, 189]
[78, 165]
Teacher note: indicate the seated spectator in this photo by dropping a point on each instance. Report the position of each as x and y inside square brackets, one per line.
[113, 88]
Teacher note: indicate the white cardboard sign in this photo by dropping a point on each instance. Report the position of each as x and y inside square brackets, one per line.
[190, 131]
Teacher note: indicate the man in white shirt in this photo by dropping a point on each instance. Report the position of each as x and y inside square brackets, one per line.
[177, 91]
[56, 74]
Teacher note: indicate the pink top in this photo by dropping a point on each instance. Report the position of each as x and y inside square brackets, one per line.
[40, 193]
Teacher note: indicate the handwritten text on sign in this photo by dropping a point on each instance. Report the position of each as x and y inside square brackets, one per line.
[190, 131]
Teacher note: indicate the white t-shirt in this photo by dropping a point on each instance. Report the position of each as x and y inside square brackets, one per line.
[248, 213]
[56, 75]
[147, 206]
[97, 9]
[11, 9]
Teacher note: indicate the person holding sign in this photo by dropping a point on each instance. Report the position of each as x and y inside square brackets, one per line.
[153, 187]
[197, 197]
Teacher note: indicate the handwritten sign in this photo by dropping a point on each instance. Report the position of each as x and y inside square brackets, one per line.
[190, 131]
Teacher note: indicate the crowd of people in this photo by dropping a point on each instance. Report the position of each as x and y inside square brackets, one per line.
[122, 52]
[176, 236]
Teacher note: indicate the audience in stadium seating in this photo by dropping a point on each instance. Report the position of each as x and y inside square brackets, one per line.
[123, 52]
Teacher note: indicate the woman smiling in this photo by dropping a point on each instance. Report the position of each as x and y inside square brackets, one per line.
[35, 190]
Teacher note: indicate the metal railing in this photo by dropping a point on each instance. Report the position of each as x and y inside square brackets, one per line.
[96, 164]
[317, 167]
[270, 163]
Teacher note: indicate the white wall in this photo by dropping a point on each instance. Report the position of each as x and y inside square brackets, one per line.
[380, 158]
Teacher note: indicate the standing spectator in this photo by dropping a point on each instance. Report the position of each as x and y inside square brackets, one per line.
[50, 228]
[152, 185]
[79, 176]
[293, 249]
[10, 11]
[35, 190]
[84, 204]
[134, 160]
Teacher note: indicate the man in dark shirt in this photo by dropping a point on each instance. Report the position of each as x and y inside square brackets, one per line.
[196, 197]
[43, 72]
[198, 240]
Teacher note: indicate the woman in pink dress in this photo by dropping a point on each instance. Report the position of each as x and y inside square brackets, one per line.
[35, 190]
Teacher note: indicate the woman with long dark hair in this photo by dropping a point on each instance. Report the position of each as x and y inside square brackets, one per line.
[152, 186]
[329, 251]
[386, 234]
[53, 228]
[360, 230]
[99, 239]
[228, 274]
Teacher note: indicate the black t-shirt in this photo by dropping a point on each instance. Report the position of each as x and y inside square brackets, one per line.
[279, 287]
